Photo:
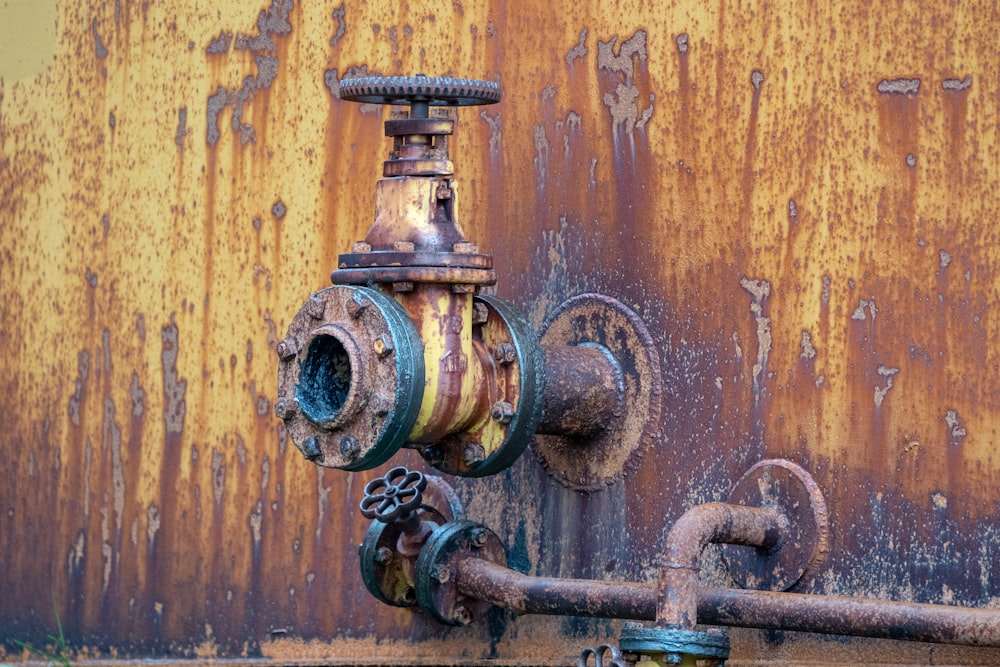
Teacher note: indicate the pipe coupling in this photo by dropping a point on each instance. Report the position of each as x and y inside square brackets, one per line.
[674, 645]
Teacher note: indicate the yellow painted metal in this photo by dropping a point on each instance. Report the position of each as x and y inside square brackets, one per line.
[816, 257]
[453, 373]
[27, 37]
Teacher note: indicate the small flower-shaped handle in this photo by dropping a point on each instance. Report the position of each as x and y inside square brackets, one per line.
[393, 496]
[604, 655]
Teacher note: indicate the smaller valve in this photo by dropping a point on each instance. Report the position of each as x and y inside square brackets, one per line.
[395, 497]
[604, 655]
[405, 507]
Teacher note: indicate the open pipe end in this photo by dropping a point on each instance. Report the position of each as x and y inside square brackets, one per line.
[350, 378]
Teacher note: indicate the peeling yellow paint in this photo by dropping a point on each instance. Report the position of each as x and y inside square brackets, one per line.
[661, 153]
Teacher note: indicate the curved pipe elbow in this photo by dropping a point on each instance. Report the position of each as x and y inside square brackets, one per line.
[711, 523]
[721, 523]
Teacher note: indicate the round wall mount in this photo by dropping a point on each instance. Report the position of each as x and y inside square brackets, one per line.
[802, 547]
[592, 463]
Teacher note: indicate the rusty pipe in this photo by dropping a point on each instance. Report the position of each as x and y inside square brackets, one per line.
[850, 616]
[523, 594]
[711, 523]
[583, 390]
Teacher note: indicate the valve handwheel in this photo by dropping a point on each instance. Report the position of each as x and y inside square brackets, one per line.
[416, 153]
[394, 496]
[419, 89]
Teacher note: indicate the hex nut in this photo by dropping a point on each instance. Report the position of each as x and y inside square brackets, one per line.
[403, 246]
[462, 615]
[504, 353]
[286, 349]
[433, 454]
[383, 556]
[480, 313]
[465, 248]
[403, 286]
[478, 537]
[310, 448]
[473, 454]
[283, 409]
[360, 247]
[349, 447]
[356, 305]
[441, 574]
[382, 346]
[315, 308]
[503, 412]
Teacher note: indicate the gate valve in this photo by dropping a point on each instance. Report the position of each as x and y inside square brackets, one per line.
[403, 351]
[605, 655]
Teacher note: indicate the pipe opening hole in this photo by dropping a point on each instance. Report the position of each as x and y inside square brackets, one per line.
[324, 379]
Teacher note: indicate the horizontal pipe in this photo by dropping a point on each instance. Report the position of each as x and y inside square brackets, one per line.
[850, 616]
[583, 391]
[523, 594]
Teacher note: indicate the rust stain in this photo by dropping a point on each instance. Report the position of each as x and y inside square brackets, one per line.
[857, 193]
[628, 113]
[578, 51]
[339, 15]
[750, 153]
[272, 23]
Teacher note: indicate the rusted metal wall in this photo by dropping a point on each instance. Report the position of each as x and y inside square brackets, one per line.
[800, 200]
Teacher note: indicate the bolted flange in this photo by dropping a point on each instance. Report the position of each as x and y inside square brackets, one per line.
[440, 596]
[350, 378]
[495, 441]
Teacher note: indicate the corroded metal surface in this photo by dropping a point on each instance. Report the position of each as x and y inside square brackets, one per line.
[589, 462]
[805, 532]
[797, 200]
[524, 594]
